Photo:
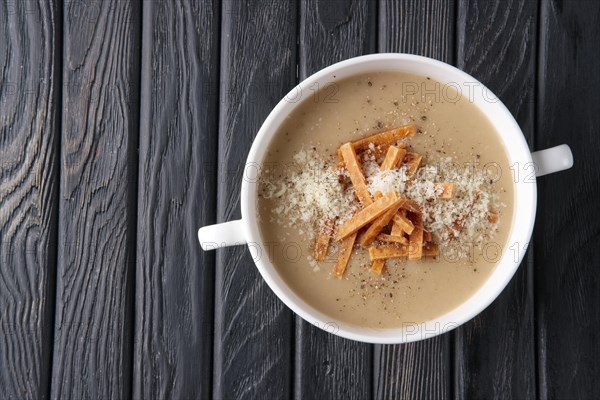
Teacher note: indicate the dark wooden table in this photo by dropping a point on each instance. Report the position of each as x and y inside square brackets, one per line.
[124, 127]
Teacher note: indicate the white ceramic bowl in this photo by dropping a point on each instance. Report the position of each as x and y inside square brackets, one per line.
[529, 165]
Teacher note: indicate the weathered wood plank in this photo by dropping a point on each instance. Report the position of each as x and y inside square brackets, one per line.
[329, 366]
[177, 193]
[495, 352]
[422, 369]
[178, 137]
[418, 370]
[94, 300]
[332, 31]
[29, 129]
[253, 328]
[567, 235]
[418, 27]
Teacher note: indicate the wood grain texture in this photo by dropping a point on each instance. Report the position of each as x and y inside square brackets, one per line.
[495, 352]
[422, 369]
[177, 192]
[253, 328]
[94, 300]
[29, 118]
[413, 371]
[567, 235]
[329, 366]
[332, 31]
[423, 27]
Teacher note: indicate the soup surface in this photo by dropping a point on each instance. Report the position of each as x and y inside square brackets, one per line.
[458, 144]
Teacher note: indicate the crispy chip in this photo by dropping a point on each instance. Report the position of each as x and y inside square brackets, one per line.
[356, 176]
[447, 190]
[377, 226]
[384, 139]
[382, 237]
[322, 243]
[393, 156]
[367, 215]
[426, 236]
[344, 255]
[412, 162]
[403, 223]
[387, 251]
[412, 206]
[377, 266]
[493, 217]
[431, 250]
[396, 229]
[415, 240]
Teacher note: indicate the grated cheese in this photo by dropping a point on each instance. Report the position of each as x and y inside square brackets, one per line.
[316, 193]
[469, 205]
[311, 196]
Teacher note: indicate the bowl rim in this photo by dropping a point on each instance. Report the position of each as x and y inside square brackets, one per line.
[525, 193]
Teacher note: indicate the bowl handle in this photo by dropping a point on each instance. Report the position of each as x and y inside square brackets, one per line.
[552, 160]
[230, 233]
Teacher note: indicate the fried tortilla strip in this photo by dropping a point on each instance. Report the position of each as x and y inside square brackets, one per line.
[393, 156]
[377, 226]
[322, 243]
[447, 190]
[415, 239]
[396, 229]
[367, 215]
[381, 150]
[403, 223]
[382, 237]
[493, 217]
[377, 266]
[431, 250]
[412, 162]
[356, 176]
[426, 236]
[412, 206]
[387, 251]
[381, 141]
[344, 255]
[377, 195]
[384, 139]
[340, 166]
